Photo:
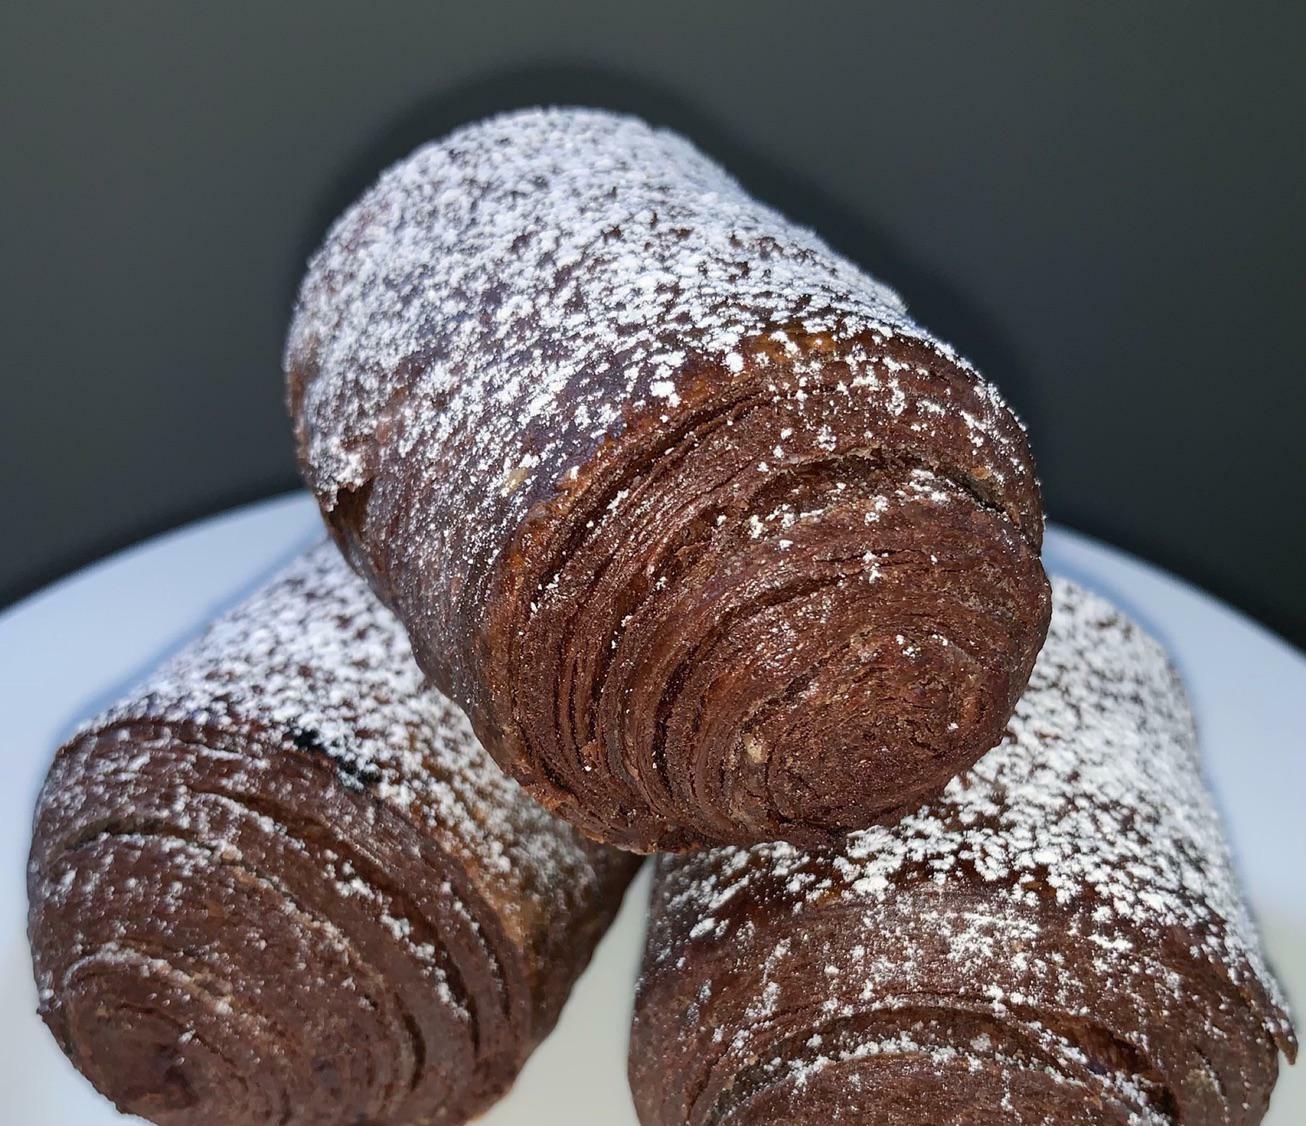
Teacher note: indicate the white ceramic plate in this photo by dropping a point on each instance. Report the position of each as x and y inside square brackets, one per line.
[69, 649]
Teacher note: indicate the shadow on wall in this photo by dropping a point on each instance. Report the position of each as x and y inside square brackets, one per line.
[931, 300]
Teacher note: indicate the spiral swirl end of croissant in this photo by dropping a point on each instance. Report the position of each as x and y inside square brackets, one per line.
[216, 940]
[282, 883]
[799, 616]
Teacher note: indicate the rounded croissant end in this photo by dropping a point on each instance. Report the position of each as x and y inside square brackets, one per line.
[199, 964]
[675, 502]
[282, 882]
[886, 664]
[748, 640]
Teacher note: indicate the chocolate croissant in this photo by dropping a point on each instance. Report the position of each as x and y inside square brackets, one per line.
[709, 539]
[283, 883]
[1057, 938]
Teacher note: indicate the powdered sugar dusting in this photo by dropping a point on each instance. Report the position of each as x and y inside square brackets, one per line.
[1088, 829]
[1096, 792]
[317, 659]
[508, 297]
[285, 843]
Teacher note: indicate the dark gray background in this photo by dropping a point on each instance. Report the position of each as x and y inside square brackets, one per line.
[1102, 205]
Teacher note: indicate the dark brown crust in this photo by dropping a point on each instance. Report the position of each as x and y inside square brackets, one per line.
[783, 588]
[1057, 939]
[271, 887]
[655, 751]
